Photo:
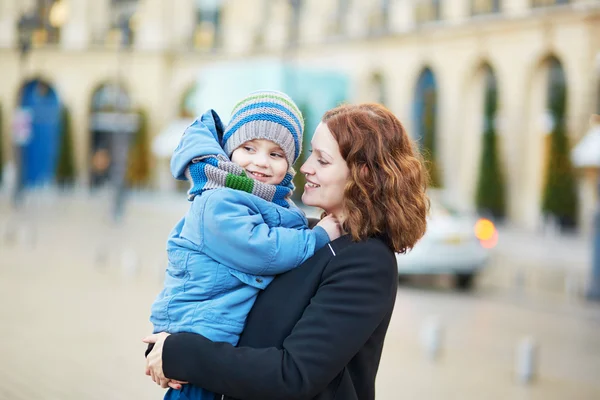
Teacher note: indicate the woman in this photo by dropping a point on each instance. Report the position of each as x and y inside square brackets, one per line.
[318, 330]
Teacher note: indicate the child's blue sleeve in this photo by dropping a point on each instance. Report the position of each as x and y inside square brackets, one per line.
[236, 233]
[199, 139]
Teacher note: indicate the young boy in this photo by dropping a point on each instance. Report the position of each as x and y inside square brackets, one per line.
[242, 228]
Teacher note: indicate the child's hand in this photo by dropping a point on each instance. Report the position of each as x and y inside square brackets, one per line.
[331, 226]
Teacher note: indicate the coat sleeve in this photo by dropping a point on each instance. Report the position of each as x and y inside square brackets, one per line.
[352, 301]
[199, 139]
[236, 233]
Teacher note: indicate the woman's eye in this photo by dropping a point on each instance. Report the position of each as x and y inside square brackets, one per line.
[322, 162]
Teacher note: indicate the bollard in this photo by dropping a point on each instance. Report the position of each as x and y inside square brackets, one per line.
[101, 256]
[520, 279]
[526, 365]
[431, 337]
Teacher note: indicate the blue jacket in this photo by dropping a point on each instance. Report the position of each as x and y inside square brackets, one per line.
[227, 248]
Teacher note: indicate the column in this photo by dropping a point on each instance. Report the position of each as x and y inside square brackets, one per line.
[75, 34]
[9, 11]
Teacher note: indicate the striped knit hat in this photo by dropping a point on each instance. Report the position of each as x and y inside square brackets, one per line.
[266, 114]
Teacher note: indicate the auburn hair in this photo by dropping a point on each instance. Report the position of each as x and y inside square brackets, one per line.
[385, 193]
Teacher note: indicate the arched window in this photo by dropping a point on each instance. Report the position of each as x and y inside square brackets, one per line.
[485, 6]
[490, 99]
[106, 100]
[560, 193]
[40, 154]
[425, 103]
[556, 101]
[490, 194]
[425, 118]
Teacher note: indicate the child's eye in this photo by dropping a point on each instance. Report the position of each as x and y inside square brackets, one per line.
[278, 155]
[248, 148]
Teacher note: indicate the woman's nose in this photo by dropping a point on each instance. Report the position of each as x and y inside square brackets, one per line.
[306, 168]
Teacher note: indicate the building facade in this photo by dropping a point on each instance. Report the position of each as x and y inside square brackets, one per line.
[412, 55]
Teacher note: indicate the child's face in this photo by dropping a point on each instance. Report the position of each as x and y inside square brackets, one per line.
[263, 160]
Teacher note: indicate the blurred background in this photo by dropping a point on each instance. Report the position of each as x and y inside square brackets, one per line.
[498, 301]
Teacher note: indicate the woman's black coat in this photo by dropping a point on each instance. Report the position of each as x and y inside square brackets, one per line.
[316, 332]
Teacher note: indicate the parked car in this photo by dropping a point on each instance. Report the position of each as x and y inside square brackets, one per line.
[454, 243]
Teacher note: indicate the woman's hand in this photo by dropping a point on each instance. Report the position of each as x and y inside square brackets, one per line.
[154, 362]
[331, 226]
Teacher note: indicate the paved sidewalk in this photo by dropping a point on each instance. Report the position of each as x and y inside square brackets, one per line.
[75, 293]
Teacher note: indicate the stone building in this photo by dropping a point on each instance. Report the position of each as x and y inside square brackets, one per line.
[94, 55]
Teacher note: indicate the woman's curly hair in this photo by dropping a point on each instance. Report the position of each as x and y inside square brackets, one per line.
[385, 194]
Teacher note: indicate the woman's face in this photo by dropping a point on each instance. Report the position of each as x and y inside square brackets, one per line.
[326, 173]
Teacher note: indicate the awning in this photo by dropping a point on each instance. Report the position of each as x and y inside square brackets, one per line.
[587, 152]
[165, 143]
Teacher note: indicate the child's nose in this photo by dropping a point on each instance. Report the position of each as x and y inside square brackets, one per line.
[261, 160]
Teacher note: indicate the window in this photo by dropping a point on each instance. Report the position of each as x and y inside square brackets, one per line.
[557, 88]
[207, 34]
[428, 10]
[294, 25]
[479, 7]
[490, 105]
[546, 3]
[122, 27]
[338, 23]
[265, 16]
[425, 109]
[379, 18]
[41, 24]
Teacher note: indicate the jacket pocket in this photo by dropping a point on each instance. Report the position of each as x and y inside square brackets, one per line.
[258, 281]
[178, 260]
